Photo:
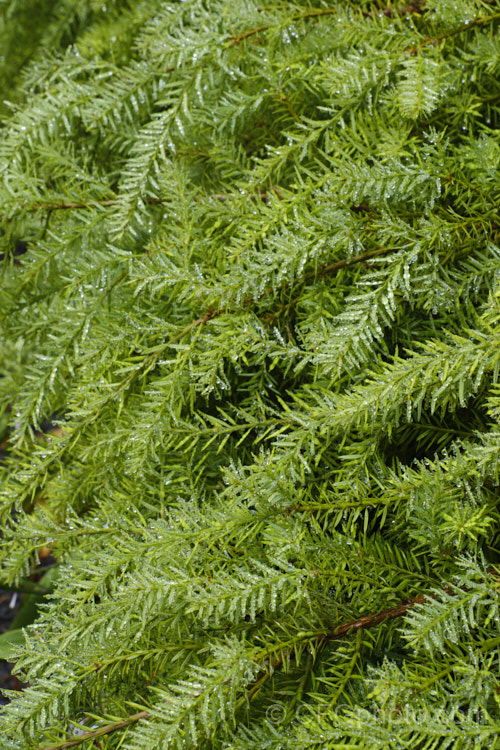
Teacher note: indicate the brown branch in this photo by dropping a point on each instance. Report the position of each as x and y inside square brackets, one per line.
[222, 197]
[258, 683]
[107, 729]
[324, 270]
[237, 38]
[362, 623]
[371, 621]
[482, 20]
[414, 8]
[336, 633]
[84, 204]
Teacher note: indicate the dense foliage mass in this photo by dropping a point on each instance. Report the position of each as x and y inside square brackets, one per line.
[251, 267]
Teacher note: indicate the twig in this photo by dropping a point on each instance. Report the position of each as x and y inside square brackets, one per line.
[237, 38]
[322, 271]
[333, 634]
[482, 20]
[107, 729]
[70, 205]
[413, 8]
[258, 683]
[367, 621]
[370, 621]
[325, 270]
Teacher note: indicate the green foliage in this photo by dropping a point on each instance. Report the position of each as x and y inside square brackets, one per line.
[251, 269]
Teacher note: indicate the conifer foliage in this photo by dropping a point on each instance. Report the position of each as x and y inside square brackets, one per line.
[260, 295]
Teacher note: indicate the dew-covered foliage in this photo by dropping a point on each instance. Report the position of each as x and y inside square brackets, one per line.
[251, 270]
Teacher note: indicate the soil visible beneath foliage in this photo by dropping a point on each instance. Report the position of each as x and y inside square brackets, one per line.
[9, 607]
[10, 603]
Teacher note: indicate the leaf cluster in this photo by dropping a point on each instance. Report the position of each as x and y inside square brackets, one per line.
[251, 271]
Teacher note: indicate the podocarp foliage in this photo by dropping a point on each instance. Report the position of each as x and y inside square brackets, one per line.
[251, 272]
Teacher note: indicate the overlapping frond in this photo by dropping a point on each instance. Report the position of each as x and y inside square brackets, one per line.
[249, 358]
